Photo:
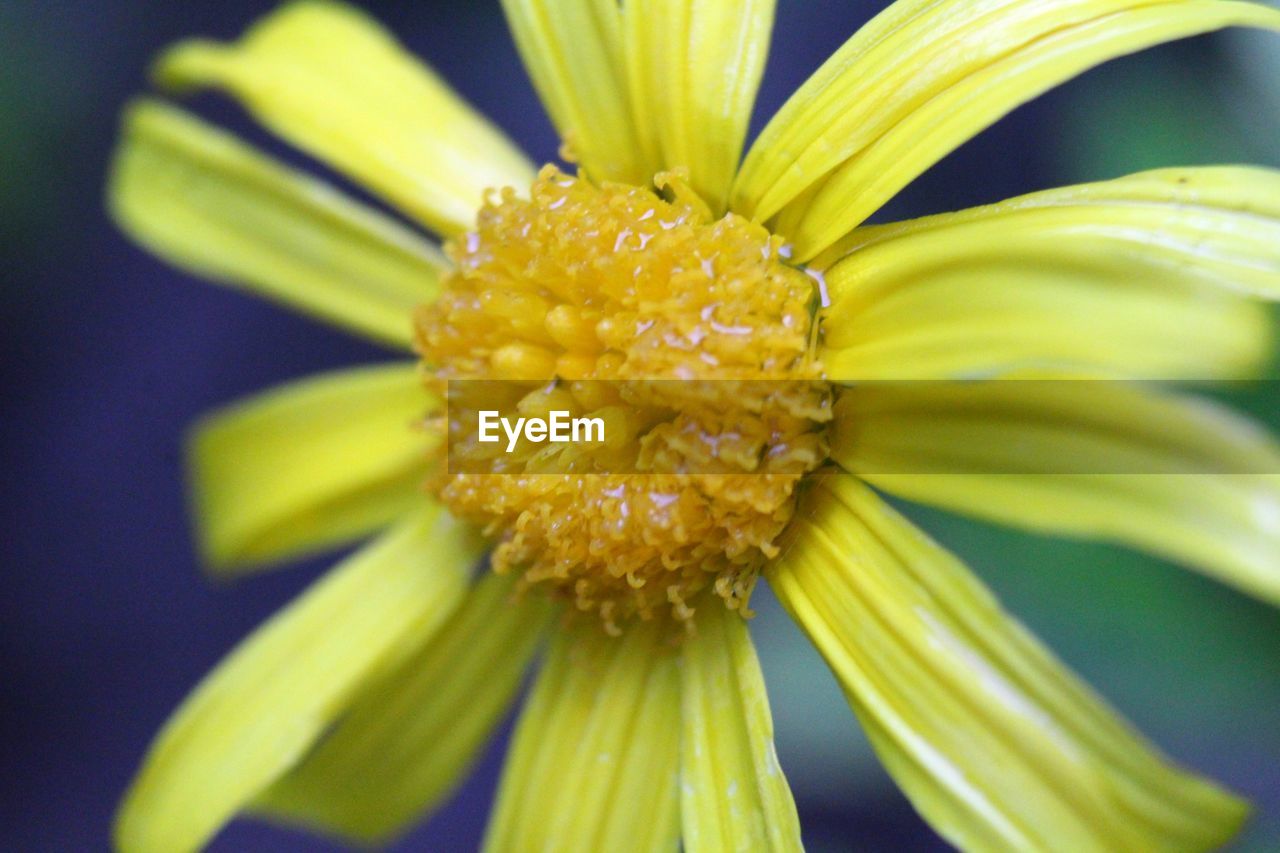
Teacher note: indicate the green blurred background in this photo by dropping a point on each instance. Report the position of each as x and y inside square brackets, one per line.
[105, 355]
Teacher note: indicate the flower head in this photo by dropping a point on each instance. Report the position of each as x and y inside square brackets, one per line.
[727, 319]
[615, 283]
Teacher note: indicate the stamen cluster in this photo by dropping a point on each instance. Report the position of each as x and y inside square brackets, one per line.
[581, 283]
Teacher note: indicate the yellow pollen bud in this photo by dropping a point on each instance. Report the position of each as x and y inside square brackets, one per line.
[572, 328]
[579, 283]
[522, 361]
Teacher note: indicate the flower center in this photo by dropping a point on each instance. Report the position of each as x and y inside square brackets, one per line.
[599, 288]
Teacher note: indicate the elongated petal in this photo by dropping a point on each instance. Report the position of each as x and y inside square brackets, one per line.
[308, 465]
[257, 713]
[203, 200]
[733, 793]
[924, 77]
[1178, 477]
[331, 81]
[694, 69]
[1216, 224]
[594, 761]
[995, 742]
[1142, 276]
[409, 738]
[573, 52]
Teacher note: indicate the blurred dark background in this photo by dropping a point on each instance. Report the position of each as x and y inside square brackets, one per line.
[106, 355]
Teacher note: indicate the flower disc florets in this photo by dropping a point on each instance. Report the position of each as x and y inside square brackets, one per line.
[588, 292]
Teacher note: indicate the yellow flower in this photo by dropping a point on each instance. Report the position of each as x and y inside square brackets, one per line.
[357, 708]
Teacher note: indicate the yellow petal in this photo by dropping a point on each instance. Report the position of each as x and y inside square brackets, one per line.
[409, 738]
[573, 52]
[693, 70]
[595, 757]
[308, 465]
[925, 76]
[331, 81]
[995, 742]
[259, 711]
[733, 793]
[1142, 276]
[205, 201]
[1175, 476]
